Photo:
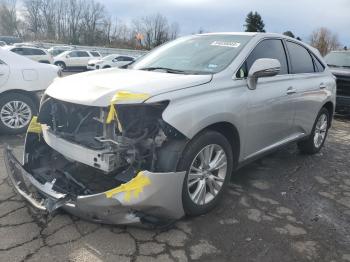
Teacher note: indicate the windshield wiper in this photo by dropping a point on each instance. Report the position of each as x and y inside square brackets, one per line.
[169, 70]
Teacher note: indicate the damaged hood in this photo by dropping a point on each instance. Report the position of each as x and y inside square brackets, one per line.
[98, 87]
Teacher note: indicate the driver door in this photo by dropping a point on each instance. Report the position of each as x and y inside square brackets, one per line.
[270, 109]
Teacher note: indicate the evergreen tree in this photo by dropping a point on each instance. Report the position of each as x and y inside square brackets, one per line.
[289, 33]
[254, 23]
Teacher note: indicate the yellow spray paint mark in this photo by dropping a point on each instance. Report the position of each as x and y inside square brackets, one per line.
[34, 126]
[122, 96]
[133, 187]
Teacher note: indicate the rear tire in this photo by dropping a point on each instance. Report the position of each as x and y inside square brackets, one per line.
[315, 141]
[16, 111]
[208, 162]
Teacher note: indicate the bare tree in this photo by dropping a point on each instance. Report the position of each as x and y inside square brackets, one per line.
[154, 28]
[83, 22]
[48, 10]
[324, 40]
[9, 23]
[92, 21]
[33, 16]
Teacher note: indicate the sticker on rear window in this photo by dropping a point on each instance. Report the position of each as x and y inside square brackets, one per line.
[226, 44]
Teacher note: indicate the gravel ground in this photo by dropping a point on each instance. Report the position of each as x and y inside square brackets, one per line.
[285, 207]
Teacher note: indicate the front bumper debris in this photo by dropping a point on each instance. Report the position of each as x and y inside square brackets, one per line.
[150, 198]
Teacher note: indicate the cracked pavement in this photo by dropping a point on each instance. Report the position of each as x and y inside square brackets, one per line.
[284, 207]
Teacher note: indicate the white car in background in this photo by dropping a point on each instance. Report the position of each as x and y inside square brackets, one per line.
[22, 81]
[75, 59]
[37, 54]
[109, 61]
[56, 50]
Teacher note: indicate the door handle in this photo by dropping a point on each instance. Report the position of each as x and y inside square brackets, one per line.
[322, 86]
[291, 90]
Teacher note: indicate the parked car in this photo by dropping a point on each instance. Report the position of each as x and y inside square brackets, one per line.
[22, 81]
[109, 61]
[37, 54]
[159, 140]
[2, 43]
[339, 63]
[56, 50]
[10, 39]
[75, 59]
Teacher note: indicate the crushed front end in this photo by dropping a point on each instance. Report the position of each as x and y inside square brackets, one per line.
[106, 169]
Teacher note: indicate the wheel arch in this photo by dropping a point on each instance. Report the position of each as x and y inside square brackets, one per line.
[59, 61]
[330, 107]
[31, 95]
[230, 132]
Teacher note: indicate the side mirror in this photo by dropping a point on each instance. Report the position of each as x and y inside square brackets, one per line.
[263, 67]
[67, 56]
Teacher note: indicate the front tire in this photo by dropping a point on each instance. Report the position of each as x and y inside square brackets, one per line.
[318, 136]
[16, 111]
[208, 160]
[60, 64]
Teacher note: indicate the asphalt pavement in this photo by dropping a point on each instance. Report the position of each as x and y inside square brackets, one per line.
[284, 207]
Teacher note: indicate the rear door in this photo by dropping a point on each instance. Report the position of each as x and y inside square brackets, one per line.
[270, 111]
[4, 72]
[310, 85]
[72, 59]
[84, 58]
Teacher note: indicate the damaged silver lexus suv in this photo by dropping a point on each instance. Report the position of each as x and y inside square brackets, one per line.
[160, 139]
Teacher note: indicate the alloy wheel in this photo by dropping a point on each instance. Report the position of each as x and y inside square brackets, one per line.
[207, 174]
[16, 114]
[320, 130]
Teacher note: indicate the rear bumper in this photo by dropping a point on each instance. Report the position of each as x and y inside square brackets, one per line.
[157, 203]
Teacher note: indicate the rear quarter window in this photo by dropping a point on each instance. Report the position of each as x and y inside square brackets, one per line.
[300, 59]
[319, 67]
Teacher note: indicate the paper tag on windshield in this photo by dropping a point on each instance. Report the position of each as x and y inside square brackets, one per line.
[226, 44]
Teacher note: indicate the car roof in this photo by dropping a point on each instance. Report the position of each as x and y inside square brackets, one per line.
[24, 46]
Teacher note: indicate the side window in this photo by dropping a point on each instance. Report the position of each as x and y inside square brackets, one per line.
[18, 51]
[83, 54]
[73, 54]
[319, 67]
[270, 48]
[301, 60]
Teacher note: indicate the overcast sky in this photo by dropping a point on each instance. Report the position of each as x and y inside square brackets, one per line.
[299, 16]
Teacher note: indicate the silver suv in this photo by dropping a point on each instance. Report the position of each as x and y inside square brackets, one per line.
[161, 139]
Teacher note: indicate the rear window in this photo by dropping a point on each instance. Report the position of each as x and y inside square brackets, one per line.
[300, 57]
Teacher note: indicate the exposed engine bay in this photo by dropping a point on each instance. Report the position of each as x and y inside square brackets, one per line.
[79, 153]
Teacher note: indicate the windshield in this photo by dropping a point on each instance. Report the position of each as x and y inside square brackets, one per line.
[197, 54]
[339, 59]
[109, 57]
